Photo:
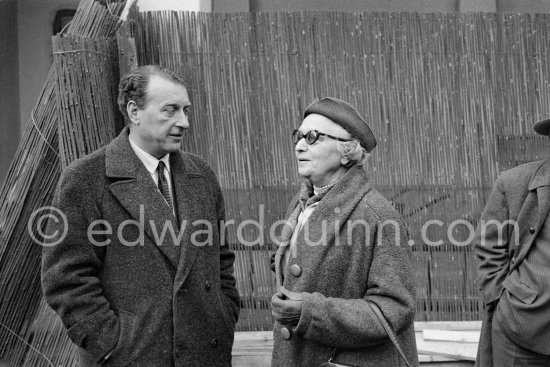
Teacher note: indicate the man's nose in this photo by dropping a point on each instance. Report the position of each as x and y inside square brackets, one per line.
[182, 120]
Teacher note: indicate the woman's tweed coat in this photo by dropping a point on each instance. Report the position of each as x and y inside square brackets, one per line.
[364, 257]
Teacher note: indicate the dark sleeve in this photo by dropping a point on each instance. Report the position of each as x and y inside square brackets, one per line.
[70, 269]
[491, 244]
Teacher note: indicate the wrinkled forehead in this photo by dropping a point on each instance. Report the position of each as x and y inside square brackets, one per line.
[161, 88]
[324, 125]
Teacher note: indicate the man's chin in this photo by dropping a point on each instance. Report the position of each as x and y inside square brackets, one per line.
[170, 148]
[173, 149]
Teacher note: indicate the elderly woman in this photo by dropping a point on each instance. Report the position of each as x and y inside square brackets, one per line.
[344, 254]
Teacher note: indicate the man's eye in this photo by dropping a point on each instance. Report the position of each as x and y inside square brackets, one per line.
[169, 109]
[187, 110]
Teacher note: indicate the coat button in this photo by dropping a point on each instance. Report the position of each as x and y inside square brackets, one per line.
[285, 333]
[296, 270]
[531, 230]
[207, 285]
[214, 343]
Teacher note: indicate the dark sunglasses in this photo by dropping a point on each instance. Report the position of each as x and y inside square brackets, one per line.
[312, 136]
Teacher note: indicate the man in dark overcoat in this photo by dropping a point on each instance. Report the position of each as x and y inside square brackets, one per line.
[143, 276]
[513, 246]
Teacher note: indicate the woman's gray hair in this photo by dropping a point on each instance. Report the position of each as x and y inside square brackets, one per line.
[354, 152]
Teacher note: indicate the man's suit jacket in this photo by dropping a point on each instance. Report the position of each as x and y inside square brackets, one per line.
[118, 287]
[521, 198]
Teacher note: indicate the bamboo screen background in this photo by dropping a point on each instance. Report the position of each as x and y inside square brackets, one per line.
[74, 115]
[451, 98]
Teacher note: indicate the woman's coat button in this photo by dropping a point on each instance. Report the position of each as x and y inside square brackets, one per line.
[285, 333]
[296, 270]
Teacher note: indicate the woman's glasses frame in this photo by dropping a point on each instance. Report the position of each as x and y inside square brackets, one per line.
[312, 136]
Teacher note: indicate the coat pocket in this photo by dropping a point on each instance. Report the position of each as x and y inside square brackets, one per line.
[124, 352]
[525, 293]
[226, 314]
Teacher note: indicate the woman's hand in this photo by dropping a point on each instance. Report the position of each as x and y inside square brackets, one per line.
[286, 306]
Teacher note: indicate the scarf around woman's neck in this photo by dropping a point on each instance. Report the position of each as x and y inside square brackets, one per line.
[309, 195]
[345, 193]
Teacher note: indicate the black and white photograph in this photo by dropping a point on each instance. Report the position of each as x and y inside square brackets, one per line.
[274, 183]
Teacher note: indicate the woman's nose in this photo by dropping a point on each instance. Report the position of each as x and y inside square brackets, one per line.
[301, 145]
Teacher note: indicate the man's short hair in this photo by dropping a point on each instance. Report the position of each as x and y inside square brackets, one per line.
[133, 86]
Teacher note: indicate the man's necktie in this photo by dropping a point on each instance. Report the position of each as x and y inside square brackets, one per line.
[163, 185]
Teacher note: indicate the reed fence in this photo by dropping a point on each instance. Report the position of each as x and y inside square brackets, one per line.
[73, 116]
[451, 98]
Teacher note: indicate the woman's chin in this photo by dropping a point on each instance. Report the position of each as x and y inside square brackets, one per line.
[304, 173]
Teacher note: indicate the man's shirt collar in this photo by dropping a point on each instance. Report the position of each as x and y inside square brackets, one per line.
[150, 162]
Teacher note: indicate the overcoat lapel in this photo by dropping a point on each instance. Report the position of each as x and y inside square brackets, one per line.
[539, 196]
[337, 205]
[138, 194]
[284, 238]
[188, 189]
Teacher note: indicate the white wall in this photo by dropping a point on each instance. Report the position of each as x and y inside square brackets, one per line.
[355, 5]
[230, 6]
[523, 6]
[190, 5]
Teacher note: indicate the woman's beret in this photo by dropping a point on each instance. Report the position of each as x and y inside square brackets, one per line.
[346, 116]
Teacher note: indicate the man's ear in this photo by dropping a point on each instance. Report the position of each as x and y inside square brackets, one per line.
[133, 112]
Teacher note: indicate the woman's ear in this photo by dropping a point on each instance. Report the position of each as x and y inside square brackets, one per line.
[133, 112]
[344, 161]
